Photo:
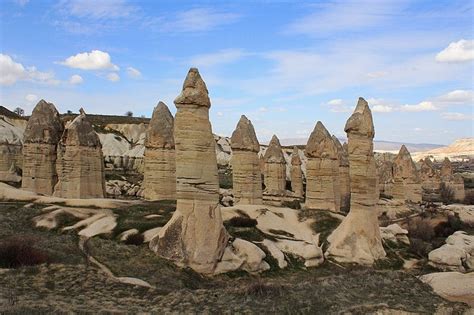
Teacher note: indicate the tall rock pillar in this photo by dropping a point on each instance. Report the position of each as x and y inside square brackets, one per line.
[296, 173]
[247, 178]
[195, 236]
[357, 239]
[159, 176]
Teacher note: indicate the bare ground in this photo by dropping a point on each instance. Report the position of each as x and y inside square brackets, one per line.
[69, 284]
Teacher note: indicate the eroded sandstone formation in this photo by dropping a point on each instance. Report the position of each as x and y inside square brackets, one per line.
[407, 183]
[430, 180]
[159, 177]
[344, 180]
[80, 163]
[40, 142]
[453, 181]
[322, 171]
[357, 239]
[446, 172]
[275, 168]
[195, 235]
[247, 177]
[296, 173]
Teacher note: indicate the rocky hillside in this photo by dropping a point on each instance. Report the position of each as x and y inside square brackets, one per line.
[458, 150]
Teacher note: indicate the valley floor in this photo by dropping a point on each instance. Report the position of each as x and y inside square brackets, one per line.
[70, 284]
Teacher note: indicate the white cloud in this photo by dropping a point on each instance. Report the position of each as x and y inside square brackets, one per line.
[335, 102]
[221, 57]
[417, 129]
[30, 98]
[456, 116]
[133, 73]
[76, 79]
[11, 72]
[220, 114]
[196, 20]
[460, 51]
[94, 9]
[263, 109]
[457, 97]
[114, 77]
[94, 60]
[420, 107]
[382, 109]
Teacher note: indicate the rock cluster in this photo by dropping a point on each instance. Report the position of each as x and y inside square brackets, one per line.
[274, 168]
[195, 236]
[453, 181]
[159, 176]
[80, 164]
[322, 171]
[344, 179]
[357, 239]
[456, 255]
[296, 174]
[430, 180]
[247, 178]
[407, 183]
[41, 137]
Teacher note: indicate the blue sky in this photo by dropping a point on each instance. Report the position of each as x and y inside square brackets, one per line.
[284, 64]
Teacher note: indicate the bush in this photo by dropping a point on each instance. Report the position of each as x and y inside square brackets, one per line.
[469, 199]
[446, 193]
[419, 247]
[135, 239]
[260, 288]
[241, 222]
[293, 204]
[18, 252]
[421, 229]
[445, 229]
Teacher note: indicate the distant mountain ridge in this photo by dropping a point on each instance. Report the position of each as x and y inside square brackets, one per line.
[380, 145]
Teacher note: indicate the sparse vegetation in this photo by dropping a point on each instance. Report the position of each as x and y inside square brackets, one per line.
[134, 239]
[293, 204]
[446, 194]
[241, 221]
[420, 229]
[469, 198]
[19, 251]
[260, 288]
[129, 114]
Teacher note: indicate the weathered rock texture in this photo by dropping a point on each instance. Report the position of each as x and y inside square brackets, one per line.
[296, 173]
[430, 180]
[275, 168]
[80, 164]
[453, 181]
[384, 166]
[247, 178]
[407, 183]
[344, 180]
[41, 137]
[322, 171]
[195, 236]
[357, 239]
[159, 178]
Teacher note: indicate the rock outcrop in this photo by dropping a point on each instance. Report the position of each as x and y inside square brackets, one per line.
[456, 255]
[275, 168]
[344, 179]
[41, 137]
[357, 239]
[446, 170]
[80, 164]
[159, 177]
[430, 180]
[407, 184]
[322, 171]
[195, 236]
[296, 174]
[453, 181]
[247, 178]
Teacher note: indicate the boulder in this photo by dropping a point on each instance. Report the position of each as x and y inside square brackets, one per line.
[456, 254]
[243, 255]
[195, 236]
[159, 176]
[453, 286]
[247, 178]
[357, 239]
[41, 137]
